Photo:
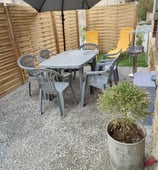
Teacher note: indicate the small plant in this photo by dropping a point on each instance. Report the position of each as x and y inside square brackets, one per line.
[139, 38]
[83, 34]
[131, 103]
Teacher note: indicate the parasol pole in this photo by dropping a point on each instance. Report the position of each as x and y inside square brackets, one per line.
[85, 2]
[63, 27]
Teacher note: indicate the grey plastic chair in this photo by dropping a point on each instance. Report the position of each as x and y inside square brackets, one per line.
[98, 79]
[50, 84]
[106, 61]
[26, 62]
[44, 55]
[90, 46]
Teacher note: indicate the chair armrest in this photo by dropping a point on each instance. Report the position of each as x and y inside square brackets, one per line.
[104, 64]
[108, 55]
[105, 56]
[98, 65]
[95, 72]
[66, 75]
[52, 54]
[106, 60]
[112, 54]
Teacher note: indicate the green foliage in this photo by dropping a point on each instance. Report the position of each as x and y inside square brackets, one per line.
[100, 57]
[83, 34]
[127, 61]
[144, 6]
[139, 38]
[129, 101]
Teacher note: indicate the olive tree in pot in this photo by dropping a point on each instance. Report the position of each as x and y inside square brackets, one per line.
[126, 137]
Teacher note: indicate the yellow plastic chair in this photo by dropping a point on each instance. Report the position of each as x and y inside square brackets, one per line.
[92, 37]
[124, 41]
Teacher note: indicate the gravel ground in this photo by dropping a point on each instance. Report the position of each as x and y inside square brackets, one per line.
[30, 141]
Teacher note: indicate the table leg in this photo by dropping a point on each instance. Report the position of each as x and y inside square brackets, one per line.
[93, 65]
[81, 82]
[134, 64]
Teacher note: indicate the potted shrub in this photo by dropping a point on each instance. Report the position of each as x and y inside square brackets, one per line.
[126, 138]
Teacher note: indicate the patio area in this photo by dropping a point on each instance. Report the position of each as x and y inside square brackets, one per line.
[29, 140]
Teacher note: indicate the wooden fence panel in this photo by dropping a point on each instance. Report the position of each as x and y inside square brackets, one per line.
[32, 31]
[10, 76]
[71, 30]
[28, 32]
[108, 21]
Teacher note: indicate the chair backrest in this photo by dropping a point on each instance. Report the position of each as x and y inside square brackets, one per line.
[113, 55]
[26, 62]
[44, 54]
[46, 79]
[125, 39]
[112, 65]
[89, 46]
[92, 37]
[106, 71]
[117, 58]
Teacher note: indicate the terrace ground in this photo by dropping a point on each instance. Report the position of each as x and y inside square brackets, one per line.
[33, 141]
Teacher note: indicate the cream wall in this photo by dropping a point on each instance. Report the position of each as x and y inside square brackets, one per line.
[110, 2]
[20, 2]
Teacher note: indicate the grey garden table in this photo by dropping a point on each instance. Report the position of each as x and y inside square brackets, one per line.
[72, 59]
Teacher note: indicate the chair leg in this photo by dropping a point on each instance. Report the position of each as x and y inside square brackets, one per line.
[73, 93]
[72, 90]
[93, 65]
[110, 82]
[74, 74]
[61, 103]
[40, 98]
[117, 74]
[30, 89]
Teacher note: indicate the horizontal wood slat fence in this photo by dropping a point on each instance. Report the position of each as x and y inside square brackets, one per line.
[10, 77]
[24, 31]
[108, 21]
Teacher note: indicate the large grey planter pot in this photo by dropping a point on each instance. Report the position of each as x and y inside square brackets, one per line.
[126, 156]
